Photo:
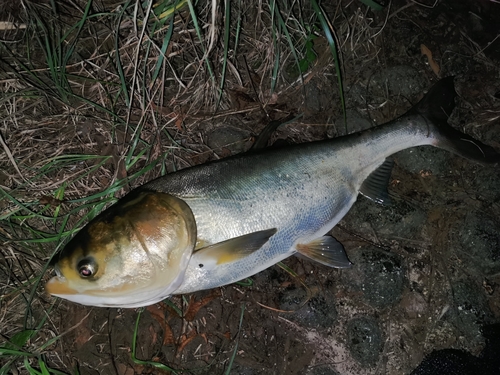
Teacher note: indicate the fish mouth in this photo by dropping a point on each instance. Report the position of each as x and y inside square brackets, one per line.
[58, 285]
[125, 296]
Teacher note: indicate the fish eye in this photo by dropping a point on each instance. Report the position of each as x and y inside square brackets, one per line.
[87, 267]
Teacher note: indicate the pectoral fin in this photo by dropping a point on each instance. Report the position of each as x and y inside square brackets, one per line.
[325, 250]
[231, 250]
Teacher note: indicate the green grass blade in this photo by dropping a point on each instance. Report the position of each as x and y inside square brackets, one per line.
[274, 76]
[328, 30]
[119, 67]
[238, 30]
[287, 269]
[246, 282]
[288, 38]
[157, 365]
[78, 26]
[169, 10]
[52, 46]
[43, 367]
[233, 356]
[174, 307]
[7, 368]
[20, 339]
[373, 4]
[30, 369]
[104, 109]
[20, 66]
[7, 351]
[166, 43]
[197, 27]
[227, 25]
[133, 145]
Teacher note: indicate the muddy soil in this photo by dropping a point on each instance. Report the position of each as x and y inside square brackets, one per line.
[426, 272]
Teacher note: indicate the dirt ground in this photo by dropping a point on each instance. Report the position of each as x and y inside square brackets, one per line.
[426, 272]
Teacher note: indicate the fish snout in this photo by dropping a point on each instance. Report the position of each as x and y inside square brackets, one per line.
[58, 285]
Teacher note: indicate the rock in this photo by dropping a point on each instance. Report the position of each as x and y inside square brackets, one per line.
[379, 275]
[318, 312]
[364, 340]
[478, 238]
[229, 138]
[413, 304]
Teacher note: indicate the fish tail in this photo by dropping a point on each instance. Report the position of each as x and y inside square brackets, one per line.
[436, 107]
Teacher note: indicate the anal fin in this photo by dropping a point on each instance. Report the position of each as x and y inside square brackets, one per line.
[375, 185]
[325, 250]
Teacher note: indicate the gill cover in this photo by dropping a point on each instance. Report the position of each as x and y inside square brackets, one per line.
[133, 254]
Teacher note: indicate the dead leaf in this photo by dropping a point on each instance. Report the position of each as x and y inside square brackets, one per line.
[432, 63]
[138, 369]
[83, 332]
[195, 306]
[178, 122]
[153, 334]
[184, 340]
[166, 111]
[240, 99]
[7, 25]
[168, 335]
[204, 335]
[158, 313]
[123, 369]
[46, 199]
[488, 286]
[224, 152]
[424, 173]
[121, 171]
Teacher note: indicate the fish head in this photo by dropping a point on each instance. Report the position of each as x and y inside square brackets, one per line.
[133, 254]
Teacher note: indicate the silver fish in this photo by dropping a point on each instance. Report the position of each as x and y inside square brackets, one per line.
[251, 210]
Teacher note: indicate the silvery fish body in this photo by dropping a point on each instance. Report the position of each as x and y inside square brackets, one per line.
[303, 191]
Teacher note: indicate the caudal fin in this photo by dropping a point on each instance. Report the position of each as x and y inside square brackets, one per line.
[436, 106]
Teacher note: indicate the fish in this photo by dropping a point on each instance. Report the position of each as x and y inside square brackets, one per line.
[211, 225]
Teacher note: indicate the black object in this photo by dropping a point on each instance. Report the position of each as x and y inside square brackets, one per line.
[459, 362]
